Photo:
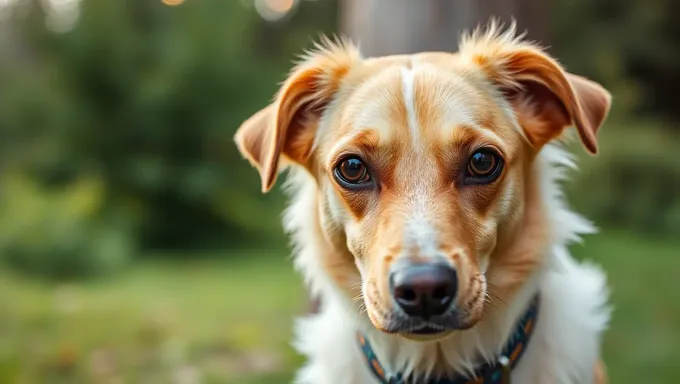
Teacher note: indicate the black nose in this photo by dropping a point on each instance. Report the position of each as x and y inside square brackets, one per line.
[424, 289]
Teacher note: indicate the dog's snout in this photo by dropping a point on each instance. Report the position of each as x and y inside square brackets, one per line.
[424, 290]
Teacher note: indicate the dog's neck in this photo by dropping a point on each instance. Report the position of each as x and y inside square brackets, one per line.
[514, 274]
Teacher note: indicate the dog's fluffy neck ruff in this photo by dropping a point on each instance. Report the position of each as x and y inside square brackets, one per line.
[461, 351]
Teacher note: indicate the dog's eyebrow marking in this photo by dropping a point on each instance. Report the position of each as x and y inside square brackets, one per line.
[408, 88]
[459, 133]
[336, 147]
[367, 138]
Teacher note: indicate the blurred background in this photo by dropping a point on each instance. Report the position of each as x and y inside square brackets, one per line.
[135, 246]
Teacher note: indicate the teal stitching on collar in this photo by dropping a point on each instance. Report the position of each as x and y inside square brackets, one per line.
[496, 372]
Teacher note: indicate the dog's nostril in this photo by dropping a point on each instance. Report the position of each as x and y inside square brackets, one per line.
[406, 294]
[440, 293]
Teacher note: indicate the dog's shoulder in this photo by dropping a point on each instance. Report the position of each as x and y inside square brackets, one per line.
[574, 314]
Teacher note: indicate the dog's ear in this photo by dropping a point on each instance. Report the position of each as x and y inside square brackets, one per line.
[546, 99]
[288, 126]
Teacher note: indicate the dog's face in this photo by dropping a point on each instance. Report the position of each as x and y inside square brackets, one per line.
[422, 165]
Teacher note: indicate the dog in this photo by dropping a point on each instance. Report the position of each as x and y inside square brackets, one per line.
[427, 215]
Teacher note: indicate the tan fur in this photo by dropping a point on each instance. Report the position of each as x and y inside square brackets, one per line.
[498, 92]
[601, 373]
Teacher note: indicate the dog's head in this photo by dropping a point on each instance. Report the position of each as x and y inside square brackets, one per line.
[422, 163]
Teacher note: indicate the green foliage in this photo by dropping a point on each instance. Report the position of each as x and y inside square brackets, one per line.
[635, 179]
[60, 232]
[631, 46]
[628, 46]
[147, 98]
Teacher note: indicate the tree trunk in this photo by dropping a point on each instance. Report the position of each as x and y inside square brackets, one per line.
[383, 27]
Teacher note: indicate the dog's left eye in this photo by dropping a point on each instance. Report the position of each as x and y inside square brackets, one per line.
[484, 166]
[352, 173]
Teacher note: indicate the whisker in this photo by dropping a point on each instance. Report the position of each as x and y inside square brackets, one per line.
[358, 284]
[494, 295]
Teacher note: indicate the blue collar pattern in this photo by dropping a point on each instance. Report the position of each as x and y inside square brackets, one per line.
[497, 372]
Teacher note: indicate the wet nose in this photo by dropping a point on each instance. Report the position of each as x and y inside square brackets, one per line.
[424, 290]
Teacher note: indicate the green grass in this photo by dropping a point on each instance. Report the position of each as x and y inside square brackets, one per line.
[643, 342]
[230, 321]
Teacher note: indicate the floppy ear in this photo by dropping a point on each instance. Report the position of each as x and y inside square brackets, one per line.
[288, 126]
[546, 99]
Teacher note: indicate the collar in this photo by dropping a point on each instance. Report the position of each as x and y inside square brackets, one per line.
[494, 372]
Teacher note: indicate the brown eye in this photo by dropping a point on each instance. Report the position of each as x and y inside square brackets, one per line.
[352, 172]
[483, 167]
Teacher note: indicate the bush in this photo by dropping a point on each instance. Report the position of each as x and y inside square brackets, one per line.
[60, 232]
[148, 97]
[635, 181]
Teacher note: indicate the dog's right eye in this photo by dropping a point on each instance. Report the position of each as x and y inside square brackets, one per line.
[352, 173]
[484, 166]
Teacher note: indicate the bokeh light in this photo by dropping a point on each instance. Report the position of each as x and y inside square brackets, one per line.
[273, 10]
[172, 3]
[62, 15]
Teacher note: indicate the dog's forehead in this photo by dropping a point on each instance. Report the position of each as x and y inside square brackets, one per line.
[419, 101]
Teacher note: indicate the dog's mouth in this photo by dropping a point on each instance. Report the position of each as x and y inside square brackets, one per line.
[426, 333]
[433, 328]
[427, 330]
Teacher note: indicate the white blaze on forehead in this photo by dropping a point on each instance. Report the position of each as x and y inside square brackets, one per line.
[420, 236]
[408, 89]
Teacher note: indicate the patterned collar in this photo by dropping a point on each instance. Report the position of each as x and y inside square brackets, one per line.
[497, 372]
